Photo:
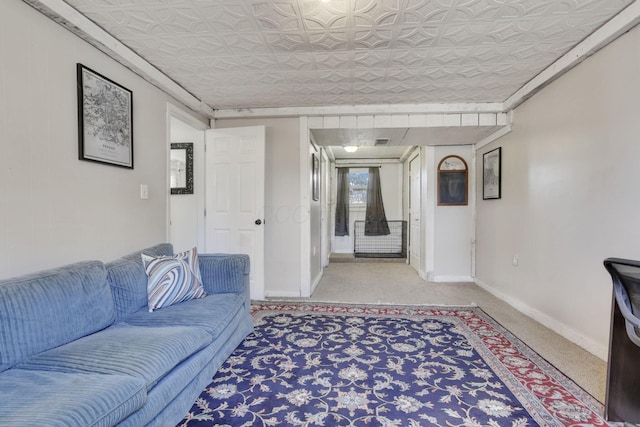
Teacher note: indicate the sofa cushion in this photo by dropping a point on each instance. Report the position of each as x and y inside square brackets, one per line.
[172, 397]
[40, 398]
[212, 314]
[172, 279]
[50, 308]
[146, 353]
[128, 280]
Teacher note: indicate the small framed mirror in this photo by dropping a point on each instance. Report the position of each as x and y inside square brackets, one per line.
[181, 166]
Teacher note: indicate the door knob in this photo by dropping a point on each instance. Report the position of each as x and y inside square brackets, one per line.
[258, 222]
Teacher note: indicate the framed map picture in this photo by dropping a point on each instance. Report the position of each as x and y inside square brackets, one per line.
[105, 120]
[491, 174]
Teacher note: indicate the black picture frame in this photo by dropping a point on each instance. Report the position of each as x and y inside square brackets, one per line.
[105, 119]
[453, 181]
[315, 177]
[181, 168]
[492, 174]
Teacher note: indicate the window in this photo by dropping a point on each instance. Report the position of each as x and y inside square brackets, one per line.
[358, 181]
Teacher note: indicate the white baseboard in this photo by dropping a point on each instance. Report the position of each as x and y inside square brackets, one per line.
[282, 294]
[566, 331]
[452, 279]
[293, 294]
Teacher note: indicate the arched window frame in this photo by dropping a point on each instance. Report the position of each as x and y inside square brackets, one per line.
[451, 170]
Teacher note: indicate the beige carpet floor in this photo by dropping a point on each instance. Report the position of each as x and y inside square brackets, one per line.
[398, 283]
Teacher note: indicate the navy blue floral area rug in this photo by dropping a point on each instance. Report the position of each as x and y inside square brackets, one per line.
[325, 364]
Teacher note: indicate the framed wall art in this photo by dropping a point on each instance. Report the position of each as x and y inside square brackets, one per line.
[181, 167]
[492, 174]
[315, 177]
[453, 179]
[105, 119]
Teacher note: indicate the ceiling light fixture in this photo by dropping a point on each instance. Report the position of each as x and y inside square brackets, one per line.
[351, 148]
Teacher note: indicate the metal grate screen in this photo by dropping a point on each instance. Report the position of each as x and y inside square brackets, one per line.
[393, 245]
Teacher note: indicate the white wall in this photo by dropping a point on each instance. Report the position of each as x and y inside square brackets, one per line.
[391, 186]
[453, 225]
[186, 210]
[54, 208]
[570, 196]
[282, 199]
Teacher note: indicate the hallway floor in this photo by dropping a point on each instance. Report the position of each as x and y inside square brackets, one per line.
[398, 283]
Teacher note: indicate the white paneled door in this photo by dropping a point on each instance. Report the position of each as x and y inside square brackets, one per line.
[234, 221]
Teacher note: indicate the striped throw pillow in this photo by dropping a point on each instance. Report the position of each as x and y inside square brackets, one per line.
[172, 279]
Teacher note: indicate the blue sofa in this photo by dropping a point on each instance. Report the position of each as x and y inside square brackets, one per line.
[78, 346]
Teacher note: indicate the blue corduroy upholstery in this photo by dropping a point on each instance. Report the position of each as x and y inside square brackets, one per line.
[227, 273]
[70, 399]
[170, 400]
[213, 314]
[224, 273]
[78, 346]
[145, 353]
[128, 280]
[50, 308]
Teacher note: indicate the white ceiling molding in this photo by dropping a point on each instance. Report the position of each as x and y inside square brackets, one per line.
[182, 115]
[611, 30]
[357, 162]
[507, 123]
[358, 110]
[494, 136]
[386, 121]
[80, 25]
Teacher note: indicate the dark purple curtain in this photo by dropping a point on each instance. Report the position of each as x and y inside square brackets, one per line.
[342, 203]
[375, 219]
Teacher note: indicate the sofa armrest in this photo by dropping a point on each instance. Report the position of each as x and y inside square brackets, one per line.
[224, 273]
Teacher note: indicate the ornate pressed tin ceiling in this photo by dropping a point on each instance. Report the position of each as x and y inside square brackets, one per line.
[305, 53]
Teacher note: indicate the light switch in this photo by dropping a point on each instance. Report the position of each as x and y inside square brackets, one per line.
[144, 191]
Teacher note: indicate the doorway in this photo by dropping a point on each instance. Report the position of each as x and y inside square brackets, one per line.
[185, 228]
[228, 184]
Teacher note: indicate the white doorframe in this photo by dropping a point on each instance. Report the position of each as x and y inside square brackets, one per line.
[473, 201]
[305, 209]
[429, 203]
[415, 239]
[325, 195]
